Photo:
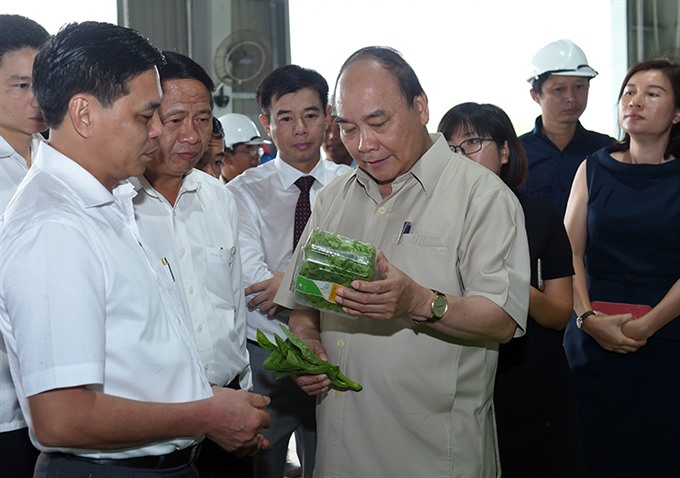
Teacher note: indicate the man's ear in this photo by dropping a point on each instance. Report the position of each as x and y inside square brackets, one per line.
[421, 105]
[264, 120]
[80, 113]
[535, 96]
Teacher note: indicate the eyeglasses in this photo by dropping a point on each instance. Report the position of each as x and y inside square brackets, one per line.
[470, 146]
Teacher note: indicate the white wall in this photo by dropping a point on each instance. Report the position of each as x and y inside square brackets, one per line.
[462, 50]
[466, 50]
[52, 14]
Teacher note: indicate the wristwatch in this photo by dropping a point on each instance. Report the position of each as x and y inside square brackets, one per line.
[584, 316]
[438, 307]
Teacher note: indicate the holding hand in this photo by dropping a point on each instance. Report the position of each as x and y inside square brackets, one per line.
[393, 296]
[266, 291]
[238, 419]
[637, 329]
[607, 330]
[314, 384]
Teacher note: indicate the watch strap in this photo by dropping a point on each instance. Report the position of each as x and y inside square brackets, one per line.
[584, 316]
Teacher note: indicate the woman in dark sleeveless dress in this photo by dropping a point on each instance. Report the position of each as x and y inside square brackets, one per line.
[623, 220]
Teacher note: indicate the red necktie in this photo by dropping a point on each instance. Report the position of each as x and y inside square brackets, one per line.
[302, 208]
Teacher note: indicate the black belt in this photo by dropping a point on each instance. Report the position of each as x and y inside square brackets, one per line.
[176, 459]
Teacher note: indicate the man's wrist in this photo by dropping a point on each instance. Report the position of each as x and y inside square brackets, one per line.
[432, 308]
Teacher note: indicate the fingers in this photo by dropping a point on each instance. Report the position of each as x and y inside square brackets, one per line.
[313, 384]
[251, 448]
[258, 401]
[382, 263]
[263, 301]
[257, 287]
[271, 312]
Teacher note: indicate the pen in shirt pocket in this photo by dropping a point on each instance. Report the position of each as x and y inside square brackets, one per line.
[405, 229]
[167, 264]
[539, 274]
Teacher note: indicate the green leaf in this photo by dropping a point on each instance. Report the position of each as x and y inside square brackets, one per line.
[281, 344]
[263, 341]
[307, 353]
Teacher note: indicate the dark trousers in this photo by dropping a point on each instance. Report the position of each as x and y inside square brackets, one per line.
[215, 462]
[59, 466]
[291, 411]
[17, 454]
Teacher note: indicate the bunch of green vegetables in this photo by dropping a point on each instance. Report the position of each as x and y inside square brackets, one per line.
[292, 357]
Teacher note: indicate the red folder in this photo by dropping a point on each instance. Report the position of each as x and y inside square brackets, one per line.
[616, 308]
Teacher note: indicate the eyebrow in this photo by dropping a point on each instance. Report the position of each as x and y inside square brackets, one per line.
[379, 113]
[20, 77]
[648, 86]
[152, 105]
[287, 112]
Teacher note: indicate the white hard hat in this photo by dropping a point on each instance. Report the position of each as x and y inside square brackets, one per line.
[239, 129]
[562, 58]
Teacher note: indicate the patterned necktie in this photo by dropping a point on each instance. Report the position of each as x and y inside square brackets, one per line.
[302, 208]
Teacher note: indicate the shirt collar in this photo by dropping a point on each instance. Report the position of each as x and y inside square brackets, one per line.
[190, 183]
[538, 129]
[78, 179]
[288, 174]
[6, 150]
[427, 170]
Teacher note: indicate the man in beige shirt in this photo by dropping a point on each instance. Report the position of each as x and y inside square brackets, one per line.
[425, 341]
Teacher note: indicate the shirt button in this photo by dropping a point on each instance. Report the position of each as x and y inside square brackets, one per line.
[341, 343]
[191, 290]
[200, 328]
[206, 366]
[182, 251]
[381, 210]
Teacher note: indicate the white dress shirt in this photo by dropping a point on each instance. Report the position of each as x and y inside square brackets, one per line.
[198, 239]
[13, 168]
[265, 200]
[80, 303]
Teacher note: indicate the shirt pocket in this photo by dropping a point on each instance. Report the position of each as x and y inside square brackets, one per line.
[218, 263]
[423, 240]
[428, 259]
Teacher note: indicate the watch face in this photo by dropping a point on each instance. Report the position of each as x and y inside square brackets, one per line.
[440, 306]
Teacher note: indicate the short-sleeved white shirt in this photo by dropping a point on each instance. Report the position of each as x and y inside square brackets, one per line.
[266, 197]
[13, 168]
[198, 239]
[80, 304]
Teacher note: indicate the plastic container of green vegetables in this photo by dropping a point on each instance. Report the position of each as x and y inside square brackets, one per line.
[328, 262]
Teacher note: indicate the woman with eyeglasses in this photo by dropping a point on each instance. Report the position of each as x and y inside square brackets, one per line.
[623, 220]
[538, 433]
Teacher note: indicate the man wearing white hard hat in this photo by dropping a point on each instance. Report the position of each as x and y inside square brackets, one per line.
[242, 143]
[560, 80]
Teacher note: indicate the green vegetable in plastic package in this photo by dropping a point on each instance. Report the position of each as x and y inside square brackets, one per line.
[328, 262]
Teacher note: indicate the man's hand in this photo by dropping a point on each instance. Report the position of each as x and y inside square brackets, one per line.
[607, 330]
[393, 296]
[266, 291]
[305, 324]
[239, 418]
[314, 384]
